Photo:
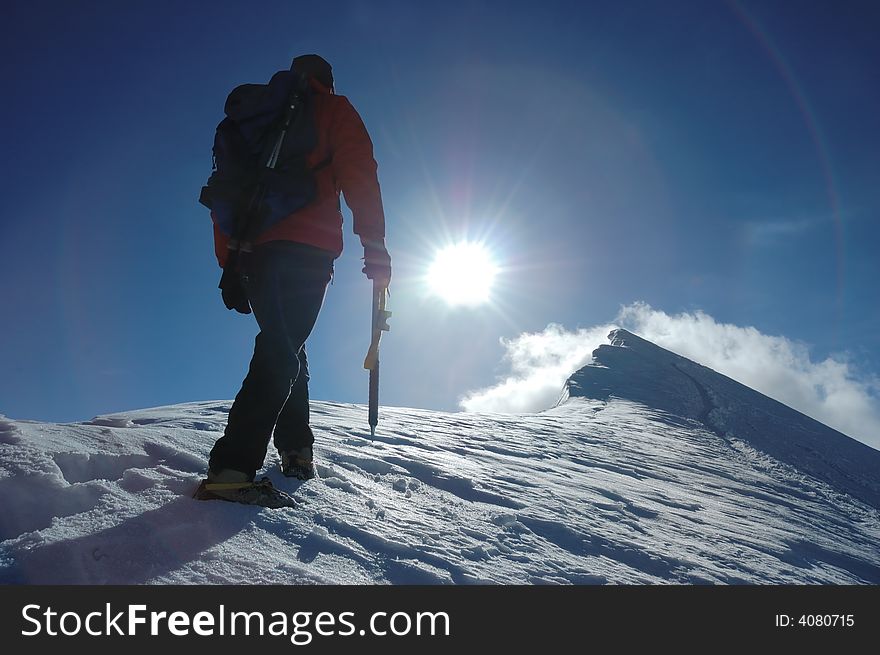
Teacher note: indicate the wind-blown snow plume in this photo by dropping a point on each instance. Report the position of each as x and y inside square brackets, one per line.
[540, 363]
[831, 391]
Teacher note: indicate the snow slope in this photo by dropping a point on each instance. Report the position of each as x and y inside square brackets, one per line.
[636, 369]
[652, 470]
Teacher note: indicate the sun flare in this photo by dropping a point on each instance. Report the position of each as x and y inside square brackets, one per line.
[463, 274]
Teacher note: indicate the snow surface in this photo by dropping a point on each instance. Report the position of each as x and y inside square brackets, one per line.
[652, 470]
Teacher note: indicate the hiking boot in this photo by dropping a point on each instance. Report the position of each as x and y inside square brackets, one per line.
[228, 475]
[298, 463]
[247, 492]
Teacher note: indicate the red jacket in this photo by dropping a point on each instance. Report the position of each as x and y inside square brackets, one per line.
[352, 171]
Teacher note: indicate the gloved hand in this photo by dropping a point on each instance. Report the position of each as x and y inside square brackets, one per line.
[233, 292]
[377, 262]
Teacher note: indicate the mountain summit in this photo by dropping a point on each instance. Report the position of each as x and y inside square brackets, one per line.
[638, 370]
[653, 470]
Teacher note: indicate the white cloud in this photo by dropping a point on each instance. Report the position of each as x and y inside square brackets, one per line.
[769, 232]
[831, 391]
[540, 363]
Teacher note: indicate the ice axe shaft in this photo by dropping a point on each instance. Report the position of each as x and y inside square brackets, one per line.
[373, 414]
[371, 362]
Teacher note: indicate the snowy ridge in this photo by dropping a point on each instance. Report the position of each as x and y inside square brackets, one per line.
[638, 370]
[613, 488]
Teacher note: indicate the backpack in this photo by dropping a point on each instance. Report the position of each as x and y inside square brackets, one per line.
[260, 174]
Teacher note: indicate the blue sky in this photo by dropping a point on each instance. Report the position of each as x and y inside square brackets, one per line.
[712, 156]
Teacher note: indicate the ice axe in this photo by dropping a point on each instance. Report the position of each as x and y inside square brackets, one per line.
[371, 362]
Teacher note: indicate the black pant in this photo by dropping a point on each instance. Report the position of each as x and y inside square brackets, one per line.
[285, 285]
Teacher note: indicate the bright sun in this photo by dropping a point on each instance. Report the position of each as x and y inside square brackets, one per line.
[462, 274]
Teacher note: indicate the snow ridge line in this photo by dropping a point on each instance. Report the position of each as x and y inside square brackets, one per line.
[708, 405]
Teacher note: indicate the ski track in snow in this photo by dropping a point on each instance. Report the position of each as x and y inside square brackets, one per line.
[590, 492]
